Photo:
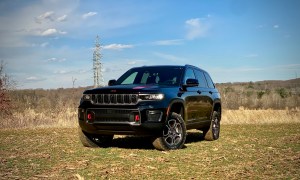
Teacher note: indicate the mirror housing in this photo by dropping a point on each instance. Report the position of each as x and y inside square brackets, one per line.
[112, 82]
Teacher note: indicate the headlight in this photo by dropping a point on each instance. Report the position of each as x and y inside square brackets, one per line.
[151, 96]
[87, 97]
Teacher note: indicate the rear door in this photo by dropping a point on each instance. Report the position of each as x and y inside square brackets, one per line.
[205, 93]
[192, 99]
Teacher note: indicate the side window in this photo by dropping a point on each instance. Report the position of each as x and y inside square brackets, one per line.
[145, 77]
[189, 74]
[201, 78]
[153, 78]
[209, 81]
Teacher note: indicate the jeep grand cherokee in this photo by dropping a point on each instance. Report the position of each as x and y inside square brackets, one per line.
[158, 101]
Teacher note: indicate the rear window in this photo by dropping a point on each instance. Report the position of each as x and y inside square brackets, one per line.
[209, 80]
[201, 78]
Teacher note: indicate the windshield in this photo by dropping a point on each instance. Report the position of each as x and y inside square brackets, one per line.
[164, 75]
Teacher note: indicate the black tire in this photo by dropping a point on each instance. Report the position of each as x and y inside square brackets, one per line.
[213, 133]
[88, 140]
[173, 134]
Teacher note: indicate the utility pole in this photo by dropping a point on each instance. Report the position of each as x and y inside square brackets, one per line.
[73, 81]
[97, 65]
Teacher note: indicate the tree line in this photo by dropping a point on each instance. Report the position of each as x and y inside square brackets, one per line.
[261, 95]
[250, 95]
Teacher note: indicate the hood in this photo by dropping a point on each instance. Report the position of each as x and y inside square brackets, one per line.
[124, 89]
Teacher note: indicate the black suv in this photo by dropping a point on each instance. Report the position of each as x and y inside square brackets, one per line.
[158, 101]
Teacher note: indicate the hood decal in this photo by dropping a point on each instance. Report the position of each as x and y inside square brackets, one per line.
[140, 87]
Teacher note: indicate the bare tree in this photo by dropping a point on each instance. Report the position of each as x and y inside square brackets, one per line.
[6, 84]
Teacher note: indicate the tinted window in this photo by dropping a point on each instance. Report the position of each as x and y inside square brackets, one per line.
[201, 78]
[189, 74]
[145, 77]
[209, 81]
[152, 75]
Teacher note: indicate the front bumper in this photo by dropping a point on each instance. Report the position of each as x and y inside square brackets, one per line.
[121, 121]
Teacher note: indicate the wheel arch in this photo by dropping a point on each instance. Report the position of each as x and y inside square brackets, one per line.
[176, 106]
[217, 107]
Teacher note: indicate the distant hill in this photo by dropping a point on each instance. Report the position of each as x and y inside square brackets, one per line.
[251, 95]
[275, 94]
[282, 83]
[292, 84]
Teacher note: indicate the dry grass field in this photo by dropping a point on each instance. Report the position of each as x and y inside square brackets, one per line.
[259, 151]
[31, 118]
[260, 139]
[260, 116]
[255, 144]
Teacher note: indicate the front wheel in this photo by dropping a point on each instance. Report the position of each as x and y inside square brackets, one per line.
[173, 134]
[213, 132]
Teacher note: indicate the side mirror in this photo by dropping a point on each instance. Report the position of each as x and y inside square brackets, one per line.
[112, 82]
[191, 83]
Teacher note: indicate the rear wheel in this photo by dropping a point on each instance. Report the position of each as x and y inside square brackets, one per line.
[173, 135]
[89, 140]
[213, 132]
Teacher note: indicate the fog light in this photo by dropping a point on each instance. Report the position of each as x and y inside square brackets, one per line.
[137, 118]
[154, 115]
[90, 116]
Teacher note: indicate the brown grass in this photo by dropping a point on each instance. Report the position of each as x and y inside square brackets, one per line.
[261, 116]
[31, 118]
[67, 117]
[269, 151]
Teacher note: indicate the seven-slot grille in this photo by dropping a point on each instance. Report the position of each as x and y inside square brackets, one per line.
[115, 115]
[114, 98]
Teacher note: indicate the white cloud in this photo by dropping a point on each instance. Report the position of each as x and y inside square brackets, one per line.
[168, 42]
[89, 14]
[135, 62]
[44, 44]
[276, 26]
[51, 32]
[71, 71]
[47, 16]
[62, 18]
[61, 72]
[196, 28]
[33, 79]
[62, 32]
[286, 67]
[117, 46]
[170, 57]
[53, 59]
[131, 62]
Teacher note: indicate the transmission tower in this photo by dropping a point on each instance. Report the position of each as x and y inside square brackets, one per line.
[97, 65]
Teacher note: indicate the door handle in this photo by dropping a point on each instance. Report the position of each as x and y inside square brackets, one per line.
[199, 92]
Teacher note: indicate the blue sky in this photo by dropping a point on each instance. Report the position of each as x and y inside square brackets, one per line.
[46, 44]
